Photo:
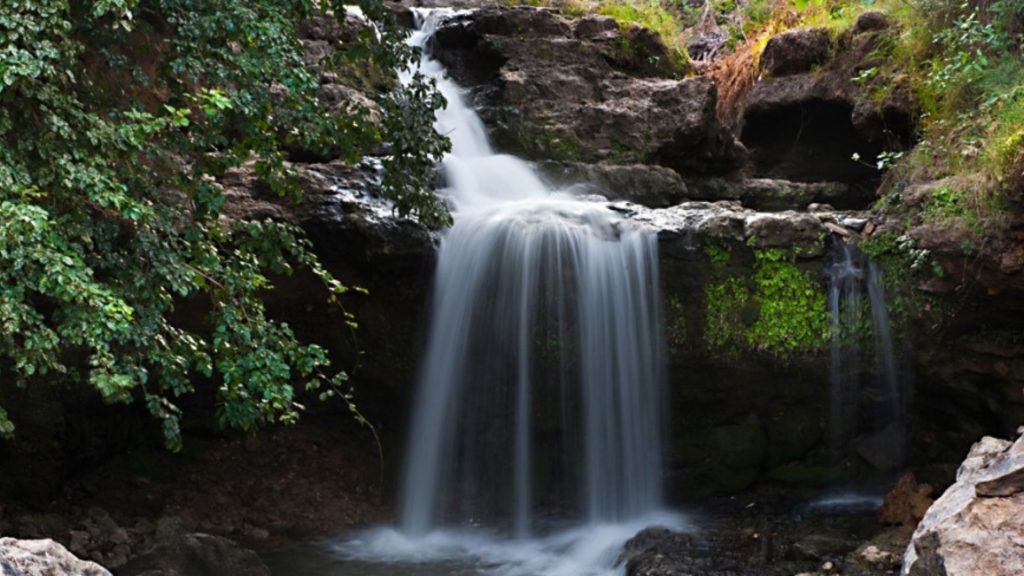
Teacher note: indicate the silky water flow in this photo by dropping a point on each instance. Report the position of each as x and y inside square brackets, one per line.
[536, 440]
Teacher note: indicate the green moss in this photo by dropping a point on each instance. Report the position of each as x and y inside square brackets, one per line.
[897, 254]
[793, 308]
[880, 244]
[725, 306]
[780, 310]
[718, 255]
[675, 323]
[622, 154]
[543, 143]
[903, 265]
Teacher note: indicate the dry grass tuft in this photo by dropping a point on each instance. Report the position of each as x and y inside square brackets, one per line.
[734, 75]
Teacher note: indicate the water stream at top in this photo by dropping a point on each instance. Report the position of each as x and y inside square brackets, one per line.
[535, 445]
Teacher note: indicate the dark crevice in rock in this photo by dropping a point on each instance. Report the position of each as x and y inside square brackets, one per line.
[811, 141]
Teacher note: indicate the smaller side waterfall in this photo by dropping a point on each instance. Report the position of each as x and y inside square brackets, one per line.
[861, 325]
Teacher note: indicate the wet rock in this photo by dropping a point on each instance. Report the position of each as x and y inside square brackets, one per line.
[965, 533]
[792, 432]
[879, 556]
[43, 558]
[796, 51]
[761, 534]
[802, 474]
[338, 201]
[819, 547]
[881, 449]
[906, 503]
[80, 542]
[854, 223]
[171, 527]
[651, 186]
[769, 194]
[196, 555]
[657, 552]
[644, 540]
[799, 231]
[720, 460]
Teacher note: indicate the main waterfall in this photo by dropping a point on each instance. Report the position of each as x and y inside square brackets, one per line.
[540, 390]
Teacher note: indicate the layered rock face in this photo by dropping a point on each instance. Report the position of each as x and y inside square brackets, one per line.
[585, 90]
[977, 525]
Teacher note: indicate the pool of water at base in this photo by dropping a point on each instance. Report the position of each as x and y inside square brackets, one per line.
[582, 550]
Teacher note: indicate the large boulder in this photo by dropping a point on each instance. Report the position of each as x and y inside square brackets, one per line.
[587, 90]
[976, 526]
[43, 558]
[796, 51]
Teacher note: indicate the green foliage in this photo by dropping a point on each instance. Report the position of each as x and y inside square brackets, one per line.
[898, 255]
[793, 311]
[781, 310]
[650, 14]
[969, 79]
[966, 44]
[718, 255]
[116, 116]
[543, 143]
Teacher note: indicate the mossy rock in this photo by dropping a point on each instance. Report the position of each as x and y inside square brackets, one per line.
[800, 474]
[723, 459]
[792, 432]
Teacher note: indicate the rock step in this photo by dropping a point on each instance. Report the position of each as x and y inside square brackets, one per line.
[660, 187]
[772, 195]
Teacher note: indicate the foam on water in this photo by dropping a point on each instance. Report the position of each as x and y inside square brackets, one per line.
[587, 550]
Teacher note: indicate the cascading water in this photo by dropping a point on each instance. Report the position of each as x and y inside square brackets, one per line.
[540, 388]
[851, 276]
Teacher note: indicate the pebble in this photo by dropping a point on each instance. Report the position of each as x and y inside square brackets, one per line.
[873, 555]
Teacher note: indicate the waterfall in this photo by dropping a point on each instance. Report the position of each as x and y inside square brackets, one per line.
[540, 388]
[851, 275]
